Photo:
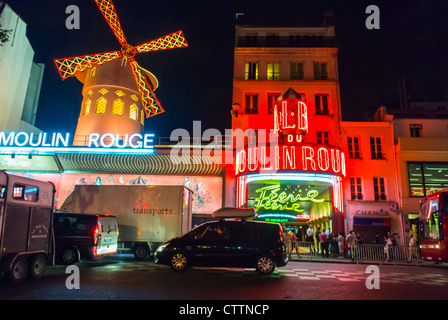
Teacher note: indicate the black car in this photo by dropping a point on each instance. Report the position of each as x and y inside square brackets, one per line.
[233, 242]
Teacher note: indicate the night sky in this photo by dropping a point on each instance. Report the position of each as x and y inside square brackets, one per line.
[195, 83]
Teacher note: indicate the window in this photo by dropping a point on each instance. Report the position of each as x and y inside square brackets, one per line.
[87, 107]
[26, 193]
[426, 178]
[353, 148]
[103, 91]
[101, 105]
[251, 103]
[214, 232]
[273, 72]
[321, 104]
[120, 93]
[142, 117]
[133, 112]
[376, 149]
[296, 69]
[379, 189]
[118, 107]
[2, 192]
[320, 71]
[356, 188]
[272, 100]
[323, 137]
[415, 130]
[92, 72]
[251, 71]
[432, 227]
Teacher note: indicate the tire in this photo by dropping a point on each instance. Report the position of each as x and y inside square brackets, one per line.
[37, 266]
[19, 269]
[179, 262]
[69, 256]
[265, 264]
[141, 252]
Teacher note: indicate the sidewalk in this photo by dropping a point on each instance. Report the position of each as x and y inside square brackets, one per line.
[319, 258]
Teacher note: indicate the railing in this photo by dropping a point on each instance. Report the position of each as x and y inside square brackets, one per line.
[358, 253]
[379, 252]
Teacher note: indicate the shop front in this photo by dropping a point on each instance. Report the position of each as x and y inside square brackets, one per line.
[374, 220]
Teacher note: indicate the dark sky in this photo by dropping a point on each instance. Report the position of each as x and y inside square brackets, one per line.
[195, 83]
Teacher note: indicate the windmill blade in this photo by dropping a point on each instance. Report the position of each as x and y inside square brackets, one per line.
[171, 41]
[108, 10]
[150, 103]
[70, 66]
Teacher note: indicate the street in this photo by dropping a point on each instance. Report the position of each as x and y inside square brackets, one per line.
[121, 277]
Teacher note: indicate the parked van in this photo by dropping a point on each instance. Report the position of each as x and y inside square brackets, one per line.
[233, 241]
[84, 236]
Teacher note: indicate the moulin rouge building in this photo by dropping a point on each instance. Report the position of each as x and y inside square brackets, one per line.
[302, 164]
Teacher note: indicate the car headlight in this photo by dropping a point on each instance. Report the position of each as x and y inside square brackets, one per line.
[162, 247]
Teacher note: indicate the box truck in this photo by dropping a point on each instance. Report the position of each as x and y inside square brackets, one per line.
[26, 226]
[147, 215]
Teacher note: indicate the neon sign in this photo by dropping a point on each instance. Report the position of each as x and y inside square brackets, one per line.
[58, 142]
[270, 199]
[292, 120]
[281, 217]
[306, 157]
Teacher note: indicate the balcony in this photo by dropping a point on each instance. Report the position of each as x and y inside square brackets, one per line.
[286, 41]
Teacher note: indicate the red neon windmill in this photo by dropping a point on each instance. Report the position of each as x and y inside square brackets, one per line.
[71, 66]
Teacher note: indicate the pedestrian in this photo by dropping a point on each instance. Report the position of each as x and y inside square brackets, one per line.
[358, 238]
[351, 244]
[341, 244]
[317, 241]
[309, 234]
[377, 239]
[287, 239]
[324, 244]
[412, 248]
[334, 245]
[295, 245]
[387, 247]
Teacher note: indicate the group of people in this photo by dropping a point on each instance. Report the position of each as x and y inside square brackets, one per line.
[332, 244]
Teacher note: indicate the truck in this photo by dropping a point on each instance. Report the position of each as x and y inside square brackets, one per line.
[147, 215]
[26, 226]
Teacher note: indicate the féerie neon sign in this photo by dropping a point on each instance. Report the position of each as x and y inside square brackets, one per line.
[270, 199]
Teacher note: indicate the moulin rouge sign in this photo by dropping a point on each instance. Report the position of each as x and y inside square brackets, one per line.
[287, 150]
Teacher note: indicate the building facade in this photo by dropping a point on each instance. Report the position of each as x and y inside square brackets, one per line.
[286, 102]
[20, 76]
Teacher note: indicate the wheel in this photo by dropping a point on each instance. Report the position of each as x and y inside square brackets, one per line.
[178, 261]
[19, 270]
[265, 265]
[69, 256]
[37, 266]
[141, 252]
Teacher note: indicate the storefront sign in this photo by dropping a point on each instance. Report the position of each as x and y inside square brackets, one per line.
[25, 163]
[377, 213]
[61, 142]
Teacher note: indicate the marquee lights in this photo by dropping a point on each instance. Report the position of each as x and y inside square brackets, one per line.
[305, 157]
[270, 199]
